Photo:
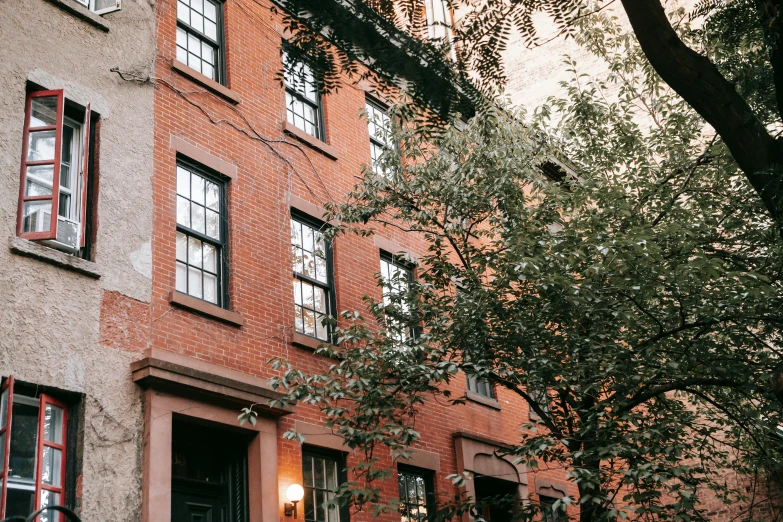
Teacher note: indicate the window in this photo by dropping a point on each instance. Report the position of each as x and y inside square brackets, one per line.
[199, 27]
[379, 126]
[313, 281]
[54, 192]
[201, 235]
[32, 453]
[439, 24]
[396, 278]
[102, 6]
[548, 512]
[541, 397]
[416, 494]
[481, 386]
[302, 99]
[322, 474]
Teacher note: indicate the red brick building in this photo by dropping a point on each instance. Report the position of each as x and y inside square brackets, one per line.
[239, 160]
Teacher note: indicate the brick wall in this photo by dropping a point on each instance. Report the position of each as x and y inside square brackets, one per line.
[270, 165]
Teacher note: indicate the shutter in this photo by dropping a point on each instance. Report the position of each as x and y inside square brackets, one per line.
[39, 187]
[84, 178]
[6, 409]
[50, 467]
[102, 7]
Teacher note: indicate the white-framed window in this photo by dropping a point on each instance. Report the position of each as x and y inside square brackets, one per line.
[55, 172]
[379, 127]
[102, 7]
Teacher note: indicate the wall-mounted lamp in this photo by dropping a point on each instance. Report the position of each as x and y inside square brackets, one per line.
[294, 494]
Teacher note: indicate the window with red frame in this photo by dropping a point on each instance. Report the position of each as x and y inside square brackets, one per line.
[54, 189]
[32, 453]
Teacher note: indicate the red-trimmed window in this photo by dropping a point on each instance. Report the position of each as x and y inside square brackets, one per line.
[53, 192]
[34, 433]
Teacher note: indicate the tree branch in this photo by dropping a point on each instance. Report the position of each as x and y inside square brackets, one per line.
[698, 81]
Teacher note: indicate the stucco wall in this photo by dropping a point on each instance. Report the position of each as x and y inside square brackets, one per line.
[49, 321]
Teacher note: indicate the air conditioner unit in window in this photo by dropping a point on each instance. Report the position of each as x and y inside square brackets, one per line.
[67, 235]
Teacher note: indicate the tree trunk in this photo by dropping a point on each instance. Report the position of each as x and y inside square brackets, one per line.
[701, 85]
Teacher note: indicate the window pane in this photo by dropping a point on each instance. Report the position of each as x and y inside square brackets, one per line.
[20, 502]
[331, 475]
[2, 453]
[182, 278]
[318, 473]
[24, 442]
[210, 257]
[210, 29]
[210, 288]
[213, 224]
[213, 196]
[194, 252]
[197, 21]
[183, 12]
[49, 498]
[53, 424]
[51, 470]
[194, 282]
[197, 189]
[182, 55]
[210, 10]
[40, 146]
[307, 471]
[183, 211]
[3, 411]
[36, 216]
[194, 46]
[197, 5]
[197, 218]
[320, 328]
[43, 112]
[183, 182]
[182, 247]
[39, 180]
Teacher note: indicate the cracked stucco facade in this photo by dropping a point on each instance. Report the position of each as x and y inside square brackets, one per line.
[50, 319]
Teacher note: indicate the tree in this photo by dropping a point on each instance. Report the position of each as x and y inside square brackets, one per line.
[731, 72]
[643, 293]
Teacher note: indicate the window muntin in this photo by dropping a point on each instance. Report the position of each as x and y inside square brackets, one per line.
[379, 127]
[198, 43]
[322, 474]
[54, 172]
[302, 99]
[415, 495]
[396, 278]
[313, 286]
[201, 235]
[541, 397]
[481, 386]
[34, 454]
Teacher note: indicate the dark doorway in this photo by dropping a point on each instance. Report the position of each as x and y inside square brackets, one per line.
[208, 474]
[496, 499]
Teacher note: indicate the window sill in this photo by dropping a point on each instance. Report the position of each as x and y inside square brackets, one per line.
[215, 87]
[305, 341]
[480, 399]
[310, 141]
[203, 308]
[82, 13]
[27, 248]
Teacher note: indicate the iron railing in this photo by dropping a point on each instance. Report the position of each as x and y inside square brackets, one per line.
[69, 515]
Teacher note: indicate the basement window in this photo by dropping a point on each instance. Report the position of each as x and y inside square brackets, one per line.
[55, 181]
